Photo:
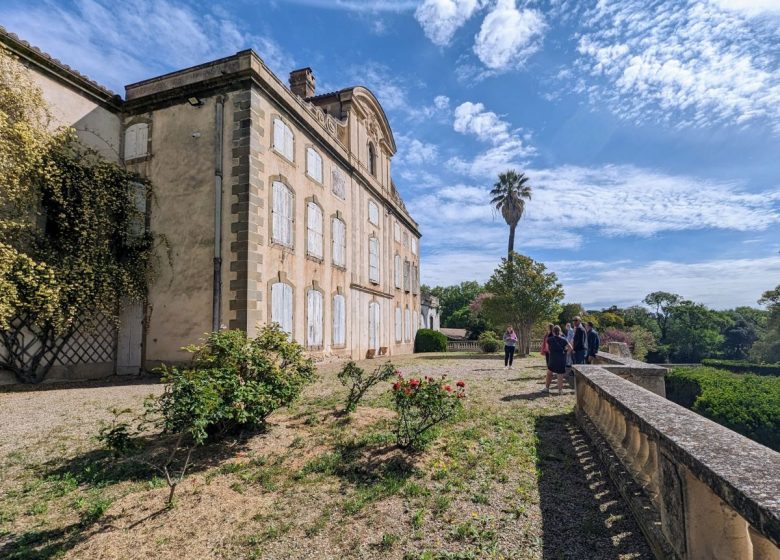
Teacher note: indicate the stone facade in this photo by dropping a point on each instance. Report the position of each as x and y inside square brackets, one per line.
[274, 204]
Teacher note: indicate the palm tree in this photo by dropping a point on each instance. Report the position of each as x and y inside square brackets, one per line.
[509, 195]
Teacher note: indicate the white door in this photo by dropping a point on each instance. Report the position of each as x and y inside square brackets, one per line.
[130, 339]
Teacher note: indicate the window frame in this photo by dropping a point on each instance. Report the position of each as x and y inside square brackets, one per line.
[373, 241]
[309, 204]
[290, 219]
[282, 149]
[334, 240]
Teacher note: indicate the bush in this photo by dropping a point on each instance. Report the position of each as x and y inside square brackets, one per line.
[358, 382]
[488, 342]
[422, 404]
[743, 366]
[747, 404]
[428, 340]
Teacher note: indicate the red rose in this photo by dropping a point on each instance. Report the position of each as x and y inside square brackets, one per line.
[414, 382]
[461, 384]
[447, 388]
[396, 386]
[407, 391]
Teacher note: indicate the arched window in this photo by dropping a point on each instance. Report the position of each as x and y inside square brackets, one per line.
[314, 164]
[313, 318]
[407, 325]
[281, 306]
[136, 141]
[283, 140]
[397, 261]
[398, 325]
[339, 320]
[282, 214]
[371, 159]
[339, 234]
[373, 260]
[314, 230]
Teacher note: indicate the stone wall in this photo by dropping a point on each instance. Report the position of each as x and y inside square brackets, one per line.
[698, 490]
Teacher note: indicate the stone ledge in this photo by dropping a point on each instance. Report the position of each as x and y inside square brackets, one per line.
[649, 376]
[742, 473]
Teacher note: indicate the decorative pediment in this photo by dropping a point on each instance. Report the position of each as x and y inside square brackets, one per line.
[370, 111]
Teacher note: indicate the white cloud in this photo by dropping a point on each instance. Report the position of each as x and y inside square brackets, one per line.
[440, 19]
[694, 64]
[441, 102]
[414, 152]
[750, 7]
[117, 43]
[360, 5]
[509, 36]
[720, 284]
[509, 147]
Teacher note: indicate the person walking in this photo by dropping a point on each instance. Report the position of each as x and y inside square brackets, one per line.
[580, 342]
[545, 348]
[593, 342]
[510, 341]
[559, 348]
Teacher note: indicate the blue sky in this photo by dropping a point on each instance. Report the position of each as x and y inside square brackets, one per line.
[650, 129]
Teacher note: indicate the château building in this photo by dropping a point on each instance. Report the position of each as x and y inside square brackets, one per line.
[276, 204]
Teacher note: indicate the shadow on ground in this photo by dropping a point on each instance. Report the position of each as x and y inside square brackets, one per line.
[113, 381]
[583, 515]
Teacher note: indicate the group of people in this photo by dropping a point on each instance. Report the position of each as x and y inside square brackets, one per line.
[579, 345]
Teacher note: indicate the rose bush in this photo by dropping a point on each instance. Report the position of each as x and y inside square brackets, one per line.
[422, 404]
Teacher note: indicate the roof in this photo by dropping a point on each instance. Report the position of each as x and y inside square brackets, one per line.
[454, 334]
[22, 48]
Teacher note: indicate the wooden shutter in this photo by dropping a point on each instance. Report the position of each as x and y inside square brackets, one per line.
[339, 184]
[289, 143]
[314, 318]
[314, 230]
[281, 306]
[314, 164]
[136, 140]
[407, 324]
[414, 245]
[373, 260]
[281, 213]
[373, 326]
[414, 325]
[339, 321]
[398, 324]
[406, 276]
[397, 260]
[339, 235]
[397, 232]
[373, 212]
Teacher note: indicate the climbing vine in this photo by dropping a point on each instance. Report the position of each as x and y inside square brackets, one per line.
[73, 241]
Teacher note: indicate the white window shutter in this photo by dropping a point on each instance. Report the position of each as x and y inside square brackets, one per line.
[289, 143]
[397, 232]
[407, 324]
[314, 315]
[373, 325]
[373, 212]
[406, 276]
[339, 235]
[398, 324]
[414, 245]
[314, 230]
[281, 306]
[339, 321]
[397, 271]
[373, 260]
[281, 227]
[339, 184]
[414, 325]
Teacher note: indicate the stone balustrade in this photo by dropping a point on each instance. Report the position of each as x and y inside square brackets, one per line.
[649, 376]
[698, 490]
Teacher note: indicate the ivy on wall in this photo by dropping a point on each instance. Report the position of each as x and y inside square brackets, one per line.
[73, 241]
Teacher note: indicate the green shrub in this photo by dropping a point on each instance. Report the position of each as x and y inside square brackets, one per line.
[488, 342]
[422, 404]
[743, 366]
[747, 404]
[428, 340]
[358, 382]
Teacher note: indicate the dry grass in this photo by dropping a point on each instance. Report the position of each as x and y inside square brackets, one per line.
[511, 478]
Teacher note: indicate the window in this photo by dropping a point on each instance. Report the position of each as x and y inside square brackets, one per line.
[283, 139]
[281, 306]
[138, 224]
[373, 212]
[314, 318]
[415, 279]
[407, 325]
[314, 230]
[339, 321]
[398, 325]
[406, 240]
[397, 232]
[414, 245]
[407, 274]
[397, 271]
[373, 260]
[339, 242]
[314, 164]
[415, 315]
[136, 141]
[339, 183]
[282, 215]
[373, 325]
[371, 159]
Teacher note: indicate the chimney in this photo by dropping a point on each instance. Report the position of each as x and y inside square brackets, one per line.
[302, 82]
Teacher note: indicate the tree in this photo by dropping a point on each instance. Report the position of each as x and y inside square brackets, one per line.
[509, 195]
[569, 311]
[636, 315]
[662, 304]
[454, 302]
[693, 332]
[72, 241]
[767, 348]
[738, 336]
[522, 293]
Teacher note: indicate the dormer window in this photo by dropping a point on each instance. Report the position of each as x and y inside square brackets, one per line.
[372, 159]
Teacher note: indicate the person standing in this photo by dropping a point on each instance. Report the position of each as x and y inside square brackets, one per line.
[580, 342]
[593, 342]
[510, 341]
[559, 348]
[545, 349]
[570, 339]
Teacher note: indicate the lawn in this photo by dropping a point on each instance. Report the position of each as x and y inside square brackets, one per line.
[512, 477]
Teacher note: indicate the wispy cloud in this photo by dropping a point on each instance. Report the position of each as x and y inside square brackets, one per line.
[751, 7]
[117, 43]
[509, 147]
[360, 5]
[691, 64]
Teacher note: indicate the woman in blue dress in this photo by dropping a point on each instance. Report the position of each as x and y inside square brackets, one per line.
[558, 348]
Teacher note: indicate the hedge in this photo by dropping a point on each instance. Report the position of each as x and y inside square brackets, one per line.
[428, 340]
[748, 404]
[743, 366]
[488, 342]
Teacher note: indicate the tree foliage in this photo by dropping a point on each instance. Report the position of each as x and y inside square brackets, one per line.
[767, 348]
[509, 195]
[522, 293]
[73, 243]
